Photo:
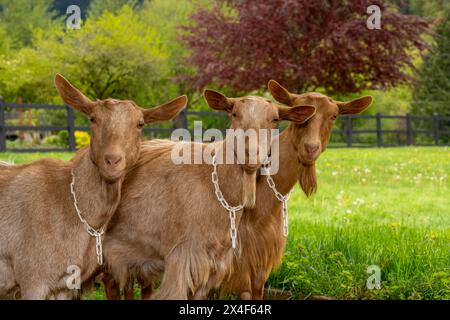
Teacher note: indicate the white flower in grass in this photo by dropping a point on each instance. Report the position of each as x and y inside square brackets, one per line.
[348, 211]
[358, 202]
[334, 173]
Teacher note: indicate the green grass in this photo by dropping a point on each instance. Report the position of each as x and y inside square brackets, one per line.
[19, 158]
[385, 207]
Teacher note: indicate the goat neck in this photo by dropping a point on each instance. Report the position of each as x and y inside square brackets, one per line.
[97, 199]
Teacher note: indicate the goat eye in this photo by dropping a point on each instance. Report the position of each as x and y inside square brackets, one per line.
[92, 119]
[141, 124]
[234, 114]
[276, 120]
[334, 117]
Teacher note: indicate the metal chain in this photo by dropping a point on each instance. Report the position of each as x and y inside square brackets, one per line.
[283, 199]
[231, 210]
[91, 231]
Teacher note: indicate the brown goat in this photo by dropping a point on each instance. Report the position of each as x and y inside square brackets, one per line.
[169, 219]
[41, 235]
[300, 146]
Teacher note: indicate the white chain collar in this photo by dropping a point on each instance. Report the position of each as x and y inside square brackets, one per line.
[231, 210]
[279, 196]
[91, 231]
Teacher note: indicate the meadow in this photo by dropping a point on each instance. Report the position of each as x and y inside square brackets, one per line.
[388, 208]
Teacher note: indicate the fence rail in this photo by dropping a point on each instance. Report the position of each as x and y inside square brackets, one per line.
[345, 128]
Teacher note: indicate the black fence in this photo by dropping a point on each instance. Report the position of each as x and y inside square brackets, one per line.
[435, 130]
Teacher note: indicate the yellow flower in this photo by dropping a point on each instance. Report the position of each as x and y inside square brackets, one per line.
[82, 139]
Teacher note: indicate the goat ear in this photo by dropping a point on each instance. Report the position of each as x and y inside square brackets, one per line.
[354, 106]
[218, 101]
[72, 96]
[297, 114]
[280, 93]
[165, 111]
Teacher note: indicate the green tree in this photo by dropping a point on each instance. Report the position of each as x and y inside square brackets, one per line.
[28, 72]
[21, 18]
[116, 55]
[5, 40]
[112, 56]
[98, 7]
[429, 8]
[167, 17]
[432, 94]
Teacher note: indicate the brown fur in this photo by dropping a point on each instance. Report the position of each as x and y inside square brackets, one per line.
[169, 219]
[262, 237]
[40, 233]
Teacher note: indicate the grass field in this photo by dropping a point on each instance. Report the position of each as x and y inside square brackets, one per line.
[384, 207]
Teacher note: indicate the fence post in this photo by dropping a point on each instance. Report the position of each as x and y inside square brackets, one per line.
[379, 141]
[408, 129]
[2, 126]
[436, 128]
[183, 116]
[71, 128]
[180, 121]
[349, 131]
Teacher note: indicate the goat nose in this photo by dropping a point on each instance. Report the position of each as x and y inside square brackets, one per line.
[112, 159]
[311, 147]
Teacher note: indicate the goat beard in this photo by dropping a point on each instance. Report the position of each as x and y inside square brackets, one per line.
[249, 188]
[308, 179]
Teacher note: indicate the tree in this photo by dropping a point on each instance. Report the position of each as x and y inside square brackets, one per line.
[429, 8]
[116, 55]
[167, 16]
[432, 94]
[60, 6]
[22, 17]
[5, 40]
[304, 44]
[112, 56]
[98, 7]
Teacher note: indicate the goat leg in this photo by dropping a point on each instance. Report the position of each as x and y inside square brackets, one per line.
[112, 289]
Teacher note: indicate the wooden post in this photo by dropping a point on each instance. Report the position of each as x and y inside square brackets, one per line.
[409, 132]
[21, 136]
[71, 129]
[2, 126]
[181, 120]
[349, 131]
[378, 119]
[436, 128]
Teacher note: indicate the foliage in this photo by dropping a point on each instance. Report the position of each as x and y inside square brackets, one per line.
[112, 56]
[22, 17]
[116, 56]
[429, 8]
[168, 17]
[432, 94]
[60, 6]
[29, 72]
[5, 41]
[304, 44]
[98, 7]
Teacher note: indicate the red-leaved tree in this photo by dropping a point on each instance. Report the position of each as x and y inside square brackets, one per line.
[304, 44]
